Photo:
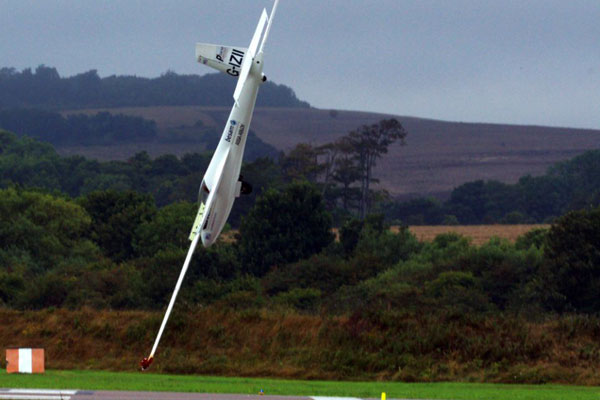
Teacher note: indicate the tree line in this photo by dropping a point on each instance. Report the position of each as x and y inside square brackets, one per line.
[77, 129]
[117, 250]
[343, 170]
[168, 178]
[337, 169]
[569, 185]
[28, 163]
[104, 128]
[45, 88]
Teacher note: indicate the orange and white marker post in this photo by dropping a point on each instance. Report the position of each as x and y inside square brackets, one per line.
[25, 361]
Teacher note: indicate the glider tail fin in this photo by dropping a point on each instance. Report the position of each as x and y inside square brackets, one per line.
[271, 16]
[247, 64]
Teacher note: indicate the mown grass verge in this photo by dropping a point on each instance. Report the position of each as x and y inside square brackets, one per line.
[102, 380]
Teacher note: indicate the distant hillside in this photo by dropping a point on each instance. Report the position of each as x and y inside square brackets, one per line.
[114, 130]
[438, 155]
[45, 88]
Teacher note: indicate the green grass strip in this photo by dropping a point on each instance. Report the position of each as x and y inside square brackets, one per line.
[101, 380]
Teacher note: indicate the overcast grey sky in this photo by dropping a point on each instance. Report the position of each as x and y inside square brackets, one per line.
[506, 61]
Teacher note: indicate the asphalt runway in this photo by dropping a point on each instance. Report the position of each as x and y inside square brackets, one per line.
[49, 394]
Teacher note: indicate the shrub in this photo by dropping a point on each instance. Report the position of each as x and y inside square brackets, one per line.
[301, 299]
[321, 272]
[459, 291]
[388, 246]
[535, 237]
[207, 291]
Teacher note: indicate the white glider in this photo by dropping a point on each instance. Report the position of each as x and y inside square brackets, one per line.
[222, 182]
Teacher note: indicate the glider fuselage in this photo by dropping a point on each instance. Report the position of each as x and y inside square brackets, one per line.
[223, 172]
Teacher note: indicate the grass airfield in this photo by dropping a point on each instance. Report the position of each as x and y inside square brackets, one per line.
[138, 381]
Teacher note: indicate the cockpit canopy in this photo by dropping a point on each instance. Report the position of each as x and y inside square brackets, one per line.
[203, 193]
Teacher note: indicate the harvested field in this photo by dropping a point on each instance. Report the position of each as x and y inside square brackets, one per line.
[478, 233]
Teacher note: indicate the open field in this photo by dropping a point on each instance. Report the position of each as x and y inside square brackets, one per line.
[479, 234]
[99, 380]
[438, 156]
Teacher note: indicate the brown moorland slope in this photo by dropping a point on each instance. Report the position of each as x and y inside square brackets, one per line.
[439, 155]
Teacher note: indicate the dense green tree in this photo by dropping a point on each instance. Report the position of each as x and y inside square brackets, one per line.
[535, 237]
[207, 291]
[421, 211]
[168, 228]
[326, 273]
[159, 272]
[582, 176]
[572, 268]
[106, 285]
[389, 247]
[369, 143]
[466, 202]
[284, 227]
[263, 173]
[115, 218]
[11, 286]
[219, 262]
[48, 290]
[349, 235]
[27, 162]
[504, 271]
[329, 153]
[542, 197]
[40, 227]
[336, 167]
[346, 172]
[459, 291]
[301, 163]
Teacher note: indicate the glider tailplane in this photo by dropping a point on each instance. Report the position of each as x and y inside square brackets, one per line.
[222, 58]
